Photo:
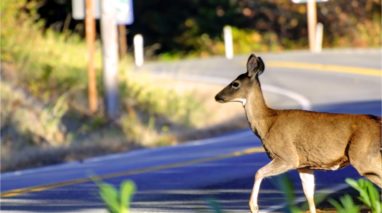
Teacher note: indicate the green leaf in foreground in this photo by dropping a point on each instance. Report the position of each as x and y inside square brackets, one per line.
[346, 205]
[116, 202]
[368, 194]
[110, 196]
[286, 186]
[128, 189]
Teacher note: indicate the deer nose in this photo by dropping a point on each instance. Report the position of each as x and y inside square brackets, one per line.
[219, 98]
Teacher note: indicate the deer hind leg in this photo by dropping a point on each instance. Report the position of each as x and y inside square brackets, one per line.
[307, 179]
[373, 174]
[275, 167]
[368, 163]
[372, 170]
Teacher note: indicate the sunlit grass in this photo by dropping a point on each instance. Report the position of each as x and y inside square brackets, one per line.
[52, 67]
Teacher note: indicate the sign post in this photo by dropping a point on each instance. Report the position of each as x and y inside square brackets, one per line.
[111, 12]
[90, 42]
[122, 41]
[110, 58]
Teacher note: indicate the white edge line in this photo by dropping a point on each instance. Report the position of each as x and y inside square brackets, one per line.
[304, 102]
[300, 99]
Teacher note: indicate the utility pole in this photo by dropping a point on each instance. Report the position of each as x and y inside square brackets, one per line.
[90, 42]
[312, 22]
[110, 58]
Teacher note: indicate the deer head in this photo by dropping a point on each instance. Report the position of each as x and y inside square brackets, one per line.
[237, 90]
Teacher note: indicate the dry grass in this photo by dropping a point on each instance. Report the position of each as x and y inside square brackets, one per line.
[214, 119]
[43, 100]
[37, 156]
[93, 137]
[205, 94]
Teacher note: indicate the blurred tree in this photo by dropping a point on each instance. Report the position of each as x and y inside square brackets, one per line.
[181, 26]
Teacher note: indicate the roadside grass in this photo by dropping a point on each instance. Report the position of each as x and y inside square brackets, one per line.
[43, 86]
[368, 34]
[39, 129]
[245, 41]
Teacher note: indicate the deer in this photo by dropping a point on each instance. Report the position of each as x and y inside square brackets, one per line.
[304, 140]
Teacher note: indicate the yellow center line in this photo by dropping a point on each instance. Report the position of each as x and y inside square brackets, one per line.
[326, 68]
[17, 192]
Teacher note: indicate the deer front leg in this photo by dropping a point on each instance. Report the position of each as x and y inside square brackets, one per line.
[307, 179]
[275, 167]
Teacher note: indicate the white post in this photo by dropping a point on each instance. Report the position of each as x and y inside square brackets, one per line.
[228, 43]
[319, 37]
[110, 57]
[138, 50]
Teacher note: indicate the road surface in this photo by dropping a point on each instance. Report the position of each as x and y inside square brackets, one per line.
[182, 178]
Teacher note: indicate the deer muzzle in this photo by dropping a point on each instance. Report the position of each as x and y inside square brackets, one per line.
[220, 98]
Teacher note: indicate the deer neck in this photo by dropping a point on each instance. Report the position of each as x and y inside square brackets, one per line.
[259, 115]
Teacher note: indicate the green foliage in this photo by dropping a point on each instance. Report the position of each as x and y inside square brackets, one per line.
[117, 201]
[346, 205]
[368, 194]
[17, 24]
[245, 41]
[286, 186]
[250, 40]
[177, 28]
[194, 28]
[48, 63]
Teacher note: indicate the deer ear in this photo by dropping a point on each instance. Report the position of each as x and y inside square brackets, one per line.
[255, 66]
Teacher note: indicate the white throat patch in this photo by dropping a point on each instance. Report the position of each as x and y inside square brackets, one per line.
[241, 100]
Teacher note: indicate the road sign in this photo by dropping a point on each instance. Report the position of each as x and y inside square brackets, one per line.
[78, 9]
[123, 10]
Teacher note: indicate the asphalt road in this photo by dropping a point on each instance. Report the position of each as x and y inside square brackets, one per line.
[182, 178]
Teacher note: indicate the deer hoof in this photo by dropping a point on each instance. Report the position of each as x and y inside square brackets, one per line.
[254, 209]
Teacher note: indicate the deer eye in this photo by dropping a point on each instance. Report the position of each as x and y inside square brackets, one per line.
[235, 85]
